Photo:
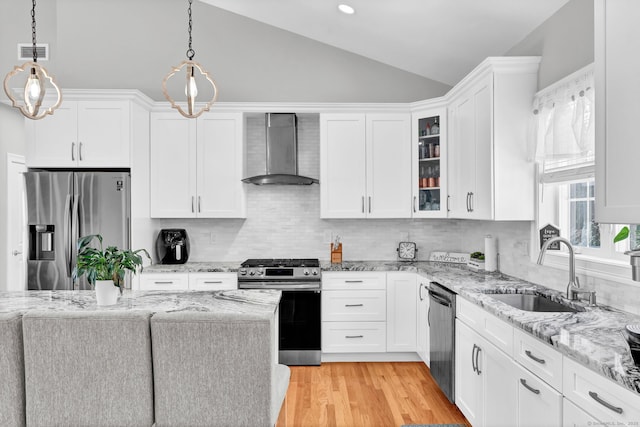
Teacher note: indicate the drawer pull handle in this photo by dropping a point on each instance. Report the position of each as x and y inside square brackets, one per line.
[354, 336]
[163, 283]
[528, 387]
[353, 281]
[608, 405]
[537, 359]
[212, 282]
[354, 305]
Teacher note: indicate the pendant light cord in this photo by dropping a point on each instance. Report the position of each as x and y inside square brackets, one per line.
[33, 31]
[190, 52]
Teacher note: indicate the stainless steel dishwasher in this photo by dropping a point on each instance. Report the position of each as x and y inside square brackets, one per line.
[442, 315]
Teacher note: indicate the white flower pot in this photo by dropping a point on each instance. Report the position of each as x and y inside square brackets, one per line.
[106, 292]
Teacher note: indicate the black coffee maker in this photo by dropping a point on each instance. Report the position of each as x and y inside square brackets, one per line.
[172, 246]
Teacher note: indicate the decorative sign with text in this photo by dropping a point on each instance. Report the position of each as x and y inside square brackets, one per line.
[549, 232]
[450, 257]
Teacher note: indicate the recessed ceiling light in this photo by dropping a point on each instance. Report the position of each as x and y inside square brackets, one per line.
[345, 8]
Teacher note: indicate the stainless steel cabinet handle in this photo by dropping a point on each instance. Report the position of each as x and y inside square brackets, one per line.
[362, 204]
[353, 281]
[369, 204]
[199, 204]
[80, 151]
[473, 358]
[448, 197]
[467, 202]
[170, 282]
[420, 292]
[192, 204]
[354, 305]
[212, 282]
[607, 405]
[470, 202]
[532, 357]
[354, 336]
[477, 355]
[73, 151]
[414, 203]
[528, 387]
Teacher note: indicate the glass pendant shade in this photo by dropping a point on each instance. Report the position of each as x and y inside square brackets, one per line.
[190, 89]
[35, 87]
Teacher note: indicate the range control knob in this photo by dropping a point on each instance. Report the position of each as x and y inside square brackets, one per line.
[243, 272]
[260, 272]
[314, 272]
[252, 273]
[305, 272]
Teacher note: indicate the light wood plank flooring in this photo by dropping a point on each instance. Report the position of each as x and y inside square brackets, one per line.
[365, 394]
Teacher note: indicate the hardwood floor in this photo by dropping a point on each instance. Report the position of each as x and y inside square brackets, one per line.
[365, 394]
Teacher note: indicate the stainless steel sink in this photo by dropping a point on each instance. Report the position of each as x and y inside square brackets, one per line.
[529, 302]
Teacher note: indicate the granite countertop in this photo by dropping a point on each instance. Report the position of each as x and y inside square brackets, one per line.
[592, 337]
[194, 267]
[232, 301]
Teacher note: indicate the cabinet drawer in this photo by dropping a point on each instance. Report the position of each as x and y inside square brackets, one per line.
[538, 403]
[540, 358]
[600, 397]
[366, 306]
[574, 416]
[353, 280]
[213, 281]
[353, 337]
[496, 330]
[164, 282]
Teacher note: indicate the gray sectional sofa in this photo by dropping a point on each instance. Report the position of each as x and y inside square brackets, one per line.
[138, 368]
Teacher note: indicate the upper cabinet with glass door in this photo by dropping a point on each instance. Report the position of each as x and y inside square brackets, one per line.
[429, 163]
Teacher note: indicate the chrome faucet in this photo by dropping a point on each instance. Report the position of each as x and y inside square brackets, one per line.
[574, 284]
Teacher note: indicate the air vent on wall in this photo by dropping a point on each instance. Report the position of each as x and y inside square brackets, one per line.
[25, 51]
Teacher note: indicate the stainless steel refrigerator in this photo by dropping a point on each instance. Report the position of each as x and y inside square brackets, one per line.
[65, 205]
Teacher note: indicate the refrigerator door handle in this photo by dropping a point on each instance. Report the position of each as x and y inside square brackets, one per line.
[67, 233]
[75, 227]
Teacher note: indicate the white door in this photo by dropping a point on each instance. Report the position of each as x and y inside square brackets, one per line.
[342, 166]
[401, 311]
[388, 168]
[468, 389]
[16, 223]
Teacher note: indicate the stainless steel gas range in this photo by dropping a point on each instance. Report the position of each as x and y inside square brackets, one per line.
[299, 324]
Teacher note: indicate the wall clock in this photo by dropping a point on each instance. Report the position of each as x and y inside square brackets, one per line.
[407, 251]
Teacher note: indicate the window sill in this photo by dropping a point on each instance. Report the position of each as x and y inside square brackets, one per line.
[601, 268]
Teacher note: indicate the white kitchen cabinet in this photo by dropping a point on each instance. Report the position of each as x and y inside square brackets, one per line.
[599, 396]
[422, 329]
[365, 166]
[196, 166]
[617, 39]
[81, 134]
[429, 160]
[538, 357]
[539, 404]
[574, 416]
[491, 173]
[485, 389]
[213, 281]
[402, 290]
[164, 281]
[354, 312]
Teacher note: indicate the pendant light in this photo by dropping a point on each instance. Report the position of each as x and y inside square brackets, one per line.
[190, 88]
[37, 81]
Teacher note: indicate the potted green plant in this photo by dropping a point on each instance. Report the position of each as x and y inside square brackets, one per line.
[105, 269]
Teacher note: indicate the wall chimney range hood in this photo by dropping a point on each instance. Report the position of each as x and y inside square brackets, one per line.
[282, 153]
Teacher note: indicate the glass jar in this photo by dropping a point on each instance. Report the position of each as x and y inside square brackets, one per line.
[435, 128]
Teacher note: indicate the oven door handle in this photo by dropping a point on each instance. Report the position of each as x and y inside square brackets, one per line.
[280, 286]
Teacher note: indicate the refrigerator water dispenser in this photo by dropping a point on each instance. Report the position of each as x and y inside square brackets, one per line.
[41, 242]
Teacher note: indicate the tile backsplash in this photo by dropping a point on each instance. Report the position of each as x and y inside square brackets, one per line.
[284, 222]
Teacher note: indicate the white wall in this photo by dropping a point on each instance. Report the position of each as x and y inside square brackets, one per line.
[12, 140]
[124, 44]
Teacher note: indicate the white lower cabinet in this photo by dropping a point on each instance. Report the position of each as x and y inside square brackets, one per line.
[485, 391]
[164, 281]
[401, 311]
[573, 416]
[354, 312]
[422, 328]
[539, 404]
[213, 281]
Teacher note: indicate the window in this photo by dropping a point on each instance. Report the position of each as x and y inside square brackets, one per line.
[564, 137]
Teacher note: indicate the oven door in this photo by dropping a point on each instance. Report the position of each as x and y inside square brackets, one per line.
[300, 327]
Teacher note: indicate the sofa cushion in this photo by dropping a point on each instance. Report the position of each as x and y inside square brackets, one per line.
[88, 368]
[12, 405]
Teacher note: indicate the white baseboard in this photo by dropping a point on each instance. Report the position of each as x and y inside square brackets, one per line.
[370, 357]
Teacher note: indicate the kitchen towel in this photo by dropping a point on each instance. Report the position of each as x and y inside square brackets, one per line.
[490, 253]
